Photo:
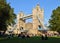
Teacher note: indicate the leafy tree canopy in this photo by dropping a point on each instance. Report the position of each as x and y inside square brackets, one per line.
[55, 20]
[7, 15]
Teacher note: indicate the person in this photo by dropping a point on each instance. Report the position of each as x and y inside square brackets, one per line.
[46, 37]
[43, 36]
[19, 35]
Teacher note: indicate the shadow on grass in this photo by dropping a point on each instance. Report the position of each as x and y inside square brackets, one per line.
[30, 40]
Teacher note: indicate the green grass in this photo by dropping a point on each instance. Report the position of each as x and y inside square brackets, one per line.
[30, 40]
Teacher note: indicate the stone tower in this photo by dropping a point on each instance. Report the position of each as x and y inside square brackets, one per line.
[37, 11]
[21, 22]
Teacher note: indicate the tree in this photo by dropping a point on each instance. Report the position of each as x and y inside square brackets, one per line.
[55, 20]
[7, 15]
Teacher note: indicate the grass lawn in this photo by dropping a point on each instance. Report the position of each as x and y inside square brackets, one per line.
[30, 40]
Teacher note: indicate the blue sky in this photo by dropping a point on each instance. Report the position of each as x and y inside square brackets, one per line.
[27, 5]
